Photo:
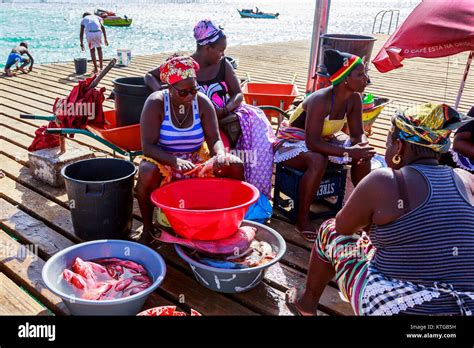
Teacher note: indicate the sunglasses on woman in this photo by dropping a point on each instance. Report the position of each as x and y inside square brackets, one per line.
[185, 92]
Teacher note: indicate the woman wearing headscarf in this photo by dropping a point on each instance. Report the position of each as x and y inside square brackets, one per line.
[217, 79]
[313, 135]
[179, 131]
[414, 252]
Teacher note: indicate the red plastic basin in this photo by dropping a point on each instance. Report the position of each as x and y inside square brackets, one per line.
[280, 95]
[207, 208]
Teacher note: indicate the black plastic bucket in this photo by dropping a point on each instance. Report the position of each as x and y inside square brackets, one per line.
[130, 94]
[360, 45]
[100, 192]
[80, 64]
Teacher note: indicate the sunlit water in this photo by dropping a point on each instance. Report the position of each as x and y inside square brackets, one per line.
[52, 29]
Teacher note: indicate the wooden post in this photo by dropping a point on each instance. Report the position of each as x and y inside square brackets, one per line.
[463, 82]
[102, 74]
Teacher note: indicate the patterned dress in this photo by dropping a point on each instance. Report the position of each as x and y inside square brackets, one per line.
[256, 141]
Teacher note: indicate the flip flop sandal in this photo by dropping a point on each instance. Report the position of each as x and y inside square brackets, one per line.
[310, 236]
[290, 297]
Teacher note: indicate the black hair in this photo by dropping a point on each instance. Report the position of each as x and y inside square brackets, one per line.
[212, 44]
[85, 14]
[218, 41]
[24, 44]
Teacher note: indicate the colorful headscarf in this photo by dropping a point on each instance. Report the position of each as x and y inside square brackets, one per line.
[206, 32]
[177, 68]
[340, 64]
[429, 125]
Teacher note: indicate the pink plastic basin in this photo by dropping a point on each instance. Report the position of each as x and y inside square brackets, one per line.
[205, 209]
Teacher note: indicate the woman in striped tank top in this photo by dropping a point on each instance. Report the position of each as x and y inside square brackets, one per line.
[179, 130]
[414, 253]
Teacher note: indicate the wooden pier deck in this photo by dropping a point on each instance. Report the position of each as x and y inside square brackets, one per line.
[34, 214]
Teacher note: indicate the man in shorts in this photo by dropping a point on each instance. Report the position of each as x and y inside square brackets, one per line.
[16, 56]
[94, 29]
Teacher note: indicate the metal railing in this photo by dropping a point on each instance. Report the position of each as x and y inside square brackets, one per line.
[382, 14]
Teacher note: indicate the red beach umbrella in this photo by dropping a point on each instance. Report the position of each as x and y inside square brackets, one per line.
[435, 28]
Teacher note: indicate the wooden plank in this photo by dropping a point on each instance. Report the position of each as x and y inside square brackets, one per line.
[59, 219]
[24, 267]
[47, 241]
[271, 301]
[295, 255]
[17, 169]
[30, 230]
[14, 137]
[250, 298]
[15, 301]
[288, 232]
[270, 293]
[22, 174]
[284, 278]
[271, 298]
[11, 150]
[28, 129]
[181, 287]
[52, 214]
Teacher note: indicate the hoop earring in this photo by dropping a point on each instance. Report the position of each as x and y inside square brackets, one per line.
[396, 159]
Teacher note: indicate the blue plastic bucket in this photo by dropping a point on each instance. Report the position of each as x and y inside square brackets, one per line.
[141, 254]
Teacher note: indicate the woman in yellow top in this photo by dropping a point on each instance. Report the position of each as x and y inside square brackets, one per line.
[313, 137]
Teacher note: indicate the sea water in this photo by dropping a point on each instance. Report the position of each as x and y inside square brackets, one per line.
[52, 28]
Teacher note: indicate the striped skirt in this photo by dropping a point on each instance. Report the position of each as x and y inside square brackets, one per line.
[350, 256]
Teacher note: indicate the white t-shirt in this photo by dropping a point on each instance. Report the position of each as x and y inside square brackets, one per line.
[91, 23]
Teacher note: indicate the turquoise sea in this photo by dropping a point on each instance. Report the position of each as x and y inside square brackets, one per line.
[52, 28]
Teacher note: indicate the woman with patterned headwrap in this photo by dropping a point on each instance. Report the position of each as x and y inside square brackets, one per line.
[179, 131]
[313, 135]
[217, 79]
[414, 252]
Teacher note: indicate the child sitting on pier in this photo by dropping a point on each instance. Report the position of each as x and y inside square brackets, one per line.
[16, 56]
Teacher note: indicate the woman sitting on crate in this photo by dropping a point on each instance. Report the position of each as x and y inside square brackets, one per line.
[179, 131]
[313, 137]
[419, 216]
[217, 79]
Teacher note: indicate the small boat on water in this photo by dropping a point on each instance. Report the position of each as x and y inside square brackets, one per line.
[250, 13]
[112, 20]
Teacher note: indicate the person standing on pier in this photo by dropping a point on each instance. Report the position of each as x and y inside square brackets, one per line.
[94, 29]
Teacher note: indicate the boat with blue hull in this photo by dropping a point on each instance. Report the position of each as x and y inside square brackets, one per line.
[245, 13]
